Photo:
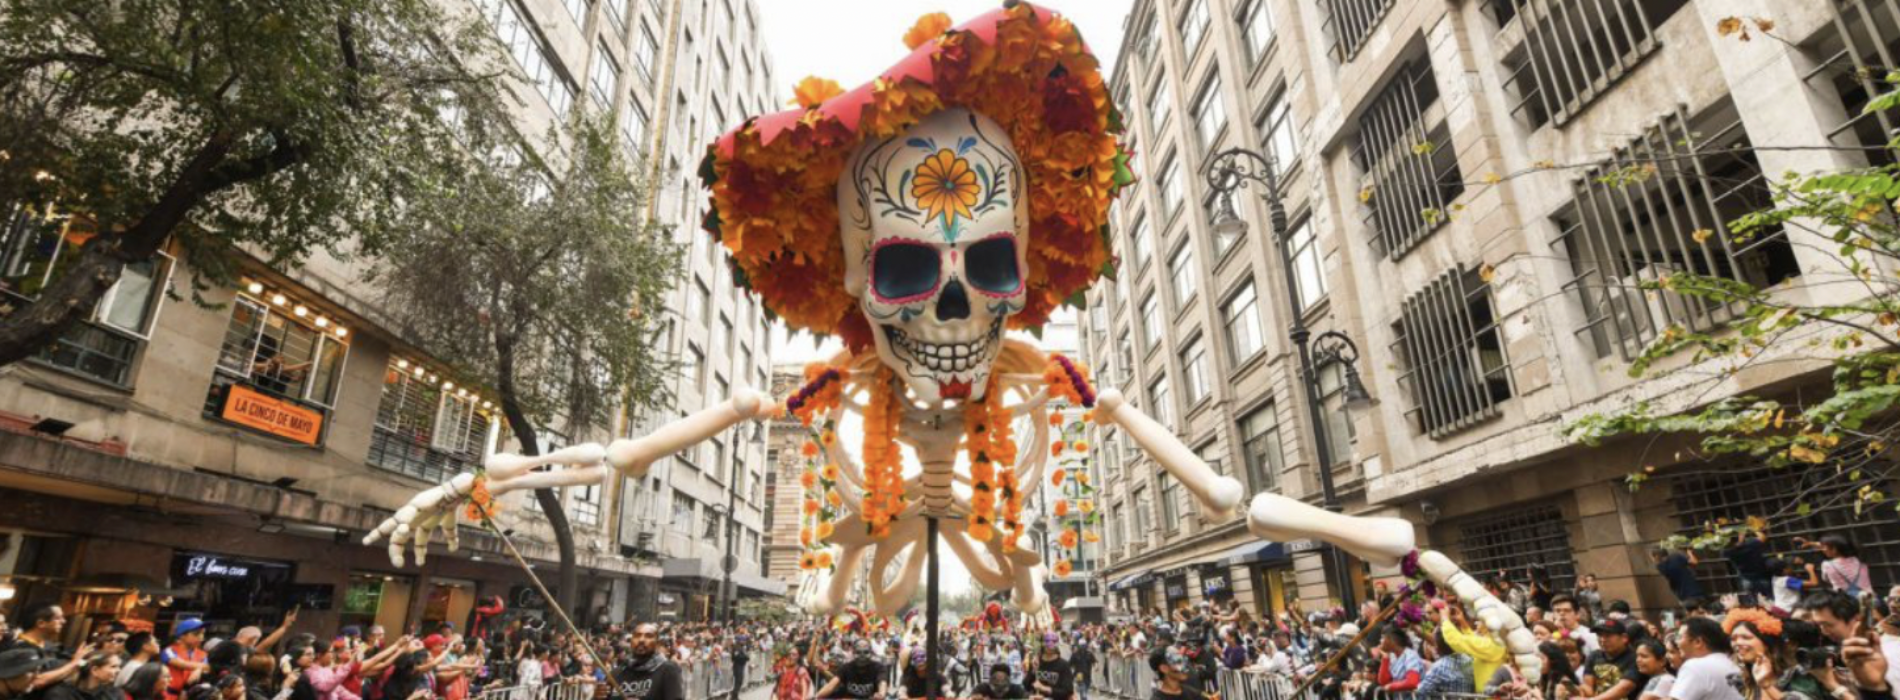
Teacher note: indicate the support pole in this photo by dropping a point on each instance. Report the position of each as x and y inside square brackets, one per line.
[932, 682]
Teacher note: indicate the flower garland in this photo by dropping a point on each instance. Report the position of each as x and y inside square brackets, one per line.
[818, 479]
[1073, 511]
[883, 461]
[481, 504]
[986, 438]
[1414, 595]
[774, 179]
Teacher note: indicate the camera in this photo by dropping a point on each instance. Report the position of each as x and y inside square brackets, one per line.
[1819, 657]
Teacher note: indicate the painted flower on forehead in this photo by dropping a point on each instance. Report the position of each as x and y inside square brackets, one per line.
[945, 187]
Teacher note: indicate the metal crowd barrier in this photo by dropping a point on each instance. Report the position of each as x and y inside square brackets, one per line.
[702, 678]
[1129, 678]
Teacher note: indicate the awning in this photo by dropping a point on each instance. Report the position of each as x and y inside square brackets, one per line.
[1080, 602]
[1253, 553]
[1132, 580]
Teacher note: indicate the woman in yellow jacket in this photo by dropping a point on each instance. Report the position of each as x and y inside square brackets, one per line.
[1486, 652]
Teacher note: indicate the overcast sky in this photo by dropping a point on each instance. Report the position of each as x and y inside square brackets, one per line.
[852, 41]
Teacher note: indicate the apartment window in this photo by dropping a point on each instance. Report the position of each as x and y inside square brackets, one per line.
[1210, 112]
[697, 360]
[1194, 23]
[1210, 455]
[725, 339]
[696, 296]
[1405, 151]
[1278, 132]
[519, 38]
[617, 18]
[587, 504]
[633, 128]
[1141, 243]
[1145, 40]
[1258, 23]
[1574, 50]
[1519, 539]
[1194, 372]
[1162, 402]
[717, 467]
[578, 10]
[422, 430]
[1340, 433]
[710, 518]
[1622, 232]
[705, 298]
[1143, 515]
[646, 51]
[604, 80]
[1125, 358]
[1170, 501]
[1172, 196]
[1158, 109]
[1241, 315]
[1115, 529]
[1260, 445]
[1855, 53]
[1351, 23]
[1150, 323]
[1454, 360]
[1182, 275]
[35, 251]
[275, 352]
[683, 507]
[724, 76]
[1309, 274]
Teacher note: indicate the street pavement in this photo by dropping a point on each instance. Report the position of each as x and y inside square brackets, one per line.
[760, 693]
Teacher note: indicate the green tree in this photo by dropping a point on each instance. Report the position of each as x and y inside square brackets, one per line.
[1843, 327]
[528, 273]
[267, 127]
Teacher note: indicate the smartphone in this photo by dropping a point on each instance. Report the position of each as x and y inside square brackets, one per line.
[1669, 619]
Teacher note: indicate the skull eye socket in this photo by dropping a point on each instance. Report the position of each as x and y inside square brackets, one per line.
[903, 271]
[991, 265]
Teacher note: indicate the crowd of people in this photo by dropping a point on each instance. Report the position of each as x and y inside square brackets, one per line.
[1796, 631]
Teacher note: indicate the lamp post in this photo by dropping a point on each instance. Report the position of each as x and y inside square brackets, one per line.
[1237, 169]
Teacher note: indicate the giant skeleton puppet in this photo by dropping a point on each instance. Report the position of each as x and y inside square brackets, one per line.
[962, 193]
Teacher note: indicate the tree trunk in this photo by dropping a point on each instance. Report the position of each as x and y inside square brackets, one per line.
[69, 300]
[567, 583]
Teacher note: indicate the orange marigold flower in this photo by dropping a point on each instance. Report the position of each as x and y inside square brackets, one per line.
[813, 91]
[809, 449]
[1081, 446]
[834, 499]
[1063, 567]
[828, 437]
[1055, 419]
[809, 479]
[1056, 477]
[1067, 540]
[1055, 449]
[824, 559]
[927, 28]
[1062, 508]
[804, 537]
[811, 506]
[808, 562]
[825, 529]
[1082, 478]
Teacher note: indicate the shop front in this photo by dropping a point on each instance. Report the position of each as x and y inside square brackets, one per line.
[449, 600]
[228, 592]
[1215, 583]
[377, 599]
[1174, 589]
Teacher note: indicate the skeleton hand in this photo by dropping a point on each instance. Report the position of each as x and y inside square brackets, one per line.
[435, 508]
[1493, 613]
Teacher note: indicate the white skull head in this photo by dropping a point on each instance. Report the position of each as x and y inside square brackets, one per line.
[935, 229]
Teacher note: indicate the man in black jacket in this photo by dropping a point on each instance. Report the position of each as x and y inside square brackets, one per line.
[860, 679]
[1054, 678]
[646, 674]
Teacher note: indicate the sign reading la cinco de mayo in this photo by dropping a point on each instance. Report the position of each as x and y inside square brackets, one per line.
[246, 407]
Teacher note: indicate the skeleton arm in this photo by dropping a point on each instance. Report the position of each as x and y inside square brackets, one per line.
[1219, 495]
[435, 508]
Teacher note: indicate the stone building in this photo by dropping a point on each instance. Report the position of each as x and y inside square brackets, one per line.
[136, 470]
[1441, 164]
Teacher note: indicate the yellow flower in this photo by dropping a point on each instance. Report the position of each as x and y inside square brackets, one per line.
[825, 529]
[945, 186]
[928, 27]
[813, 91]
[831, 472]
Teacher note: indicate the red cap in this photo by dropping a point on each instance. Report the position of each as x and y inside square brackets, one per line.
[434, 641]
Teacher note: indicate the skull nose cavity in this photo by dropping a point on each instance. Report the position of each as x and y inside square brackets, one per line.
[954, 304]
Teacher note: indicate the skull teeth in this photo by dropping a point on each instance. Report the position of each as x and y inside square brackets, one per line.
[945, 357]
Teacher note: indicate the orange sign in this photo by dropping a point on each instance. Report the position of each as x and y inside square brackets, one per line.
[245, 406]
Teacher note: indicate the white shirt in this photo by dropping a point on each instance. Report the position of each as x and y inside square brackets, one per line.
[1890, 648]
[1586, 639]
[1710, 677]
[529, 672]
[1787, 592]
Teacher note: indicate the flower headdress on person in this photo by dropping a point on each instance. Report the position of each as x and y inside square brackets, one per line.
[774, 178]
[1763, 622]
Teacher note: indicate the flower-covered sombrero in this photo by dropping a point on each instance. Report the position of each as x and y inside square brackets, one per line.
[774, 178]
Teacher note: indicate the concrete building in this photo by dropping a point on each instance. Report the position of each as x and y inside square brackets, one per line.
[782, 489]
[1442, 166]
[124, 462]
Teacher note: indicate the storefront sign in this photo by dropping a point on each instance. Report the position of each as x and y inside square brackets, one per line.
[248, 407]
[209, 566]
[1213, 583]
[1175, 587]
[1297, 546]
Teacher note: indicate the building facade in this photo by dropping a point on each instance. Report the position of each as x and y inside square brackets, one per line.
[1443, 166]
[142, 483]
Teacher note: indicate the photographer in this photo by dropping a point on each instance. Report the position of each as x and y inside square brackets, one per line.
[1841, 620]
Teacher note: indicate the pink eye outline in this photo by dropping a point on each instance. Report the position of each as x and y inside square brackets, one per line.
[878, 294]
[1013, 261]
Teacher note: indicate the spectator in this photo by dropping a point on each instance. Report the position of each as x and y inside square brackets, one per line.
[794, 681]
[1570, 624]
[1486, 653]
[1589, 597]
[1451, 673]
[1171, 674]
[186, 656]
[916, 681]
[1679, 569]
[1707, 672]
[141, 648]
[1054, 677]
[1652, 659]
[1788, 584]
[146, 683]
[1843, 569]
[1400, 668]
[1610, 672]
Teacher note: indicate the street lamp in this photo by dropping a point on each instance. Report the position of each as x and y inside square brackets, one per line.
[1236, 169]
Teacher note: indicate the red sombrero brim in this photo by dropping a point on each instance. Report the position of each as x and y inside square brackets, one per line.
[773, 179]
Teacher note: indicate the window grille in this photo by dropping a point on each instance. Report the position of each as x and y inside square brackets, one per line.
[1574, 50]
[1854, 56]
[1517, 540]
[1454, 357]
[1735, 493]
[1659, 206]
[1351, 23]
[1411, 168]
[422, 432]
